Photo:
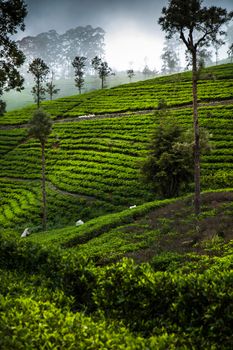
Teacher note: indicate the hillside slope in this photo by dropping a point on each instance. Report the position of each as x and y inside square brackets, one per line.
[150, 230]
[93, 163]
[82, 287]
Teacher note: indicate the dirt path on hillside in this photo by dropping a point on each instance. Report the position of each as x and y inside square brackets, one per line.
[117, 114]
[71, 194]
[138, 112]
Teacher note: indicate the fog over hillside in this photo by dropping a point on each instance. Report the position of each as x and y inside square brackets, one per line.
[133, 35]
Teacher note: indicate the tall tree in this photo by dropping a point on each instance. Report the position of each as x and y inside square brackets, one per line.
[170, 55]
[40, 127]
[40, 70]
[204, 58]
[130, 74]
[51, 88]
[146, 71]
[12, 14]
[104, 71]
[230, 52]
[229, 36]
[95, 62]
[217, 46]
[79, 64]
[197, 26]
[102, 68]
[170, 60]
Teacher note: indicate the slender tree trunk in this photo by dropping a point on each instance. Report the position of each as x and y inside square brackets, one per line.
[102, 82]
[197, 195]
[38, 93]
[44, 218]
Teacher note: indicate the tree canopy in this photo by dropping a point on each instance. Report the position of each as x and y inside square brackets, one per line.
[197, 26]
[79, 64]
[58, 50]
[12, 14]
[39, 69]
[169, 165]
[40, 126]
[102, 68]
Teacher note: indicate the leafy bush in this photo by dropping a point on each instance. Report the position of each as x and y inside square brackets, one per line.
[177, 309]
[75, 276]
[199, 305]
[27, 324]
[169, 165]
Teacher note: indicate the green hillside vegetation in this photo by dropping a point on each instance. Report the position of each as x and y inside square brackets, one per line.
[151, 277]
[16, 100]
[215, 84]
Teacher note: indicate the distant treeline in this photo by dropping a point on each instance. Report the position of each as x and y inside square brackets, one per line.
[58, 51]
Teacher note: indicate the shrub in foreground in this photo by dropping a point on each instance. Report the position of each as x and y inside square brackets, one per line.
[199, 305]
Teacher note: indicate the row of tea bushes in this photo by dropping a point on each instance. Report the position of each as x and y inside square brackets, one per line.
[175, 89]
[43, 293]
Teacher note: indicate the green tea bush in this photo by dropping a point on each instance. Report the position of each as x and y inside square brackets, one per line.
[28, 324]
[177, 309]
[20, 284]
[199, 305]
[75, 276]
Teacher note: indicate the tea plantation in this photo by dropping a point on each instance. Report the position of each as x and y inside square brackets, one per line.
[151, 277]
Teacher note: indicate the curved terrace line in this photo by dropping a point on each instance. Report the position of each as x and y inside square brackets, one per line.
[118, 114]
[52, 187]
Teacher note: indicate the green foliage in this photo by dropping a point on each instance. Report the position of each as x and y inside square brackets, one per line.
[40, 126]
[130, 73]
[39, 69]
[72, 236]
[2, 107]
[178, 309]
[11, 19]
[95, 62]
[97, 162]
[180, 16]
[169, 165]
[196, 26]
[51, 88]
[29, 324]
[102, 68]
[179, 301]
[79, 65]
[195, 304]
[175, 89]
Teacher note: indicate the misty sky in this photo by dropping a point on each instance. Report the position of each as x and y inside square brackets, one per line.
[131, 25]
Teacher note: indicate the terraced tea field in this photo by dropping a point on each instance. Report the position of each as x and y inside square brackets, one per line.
[93, 163]
[74, 287]
[216, 83]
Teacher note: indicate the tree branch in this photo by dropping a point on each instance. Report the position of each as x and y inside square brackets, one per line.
[182, 37]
